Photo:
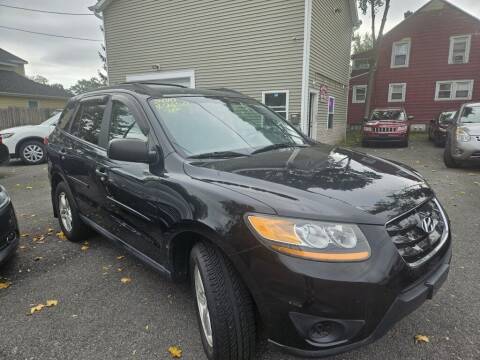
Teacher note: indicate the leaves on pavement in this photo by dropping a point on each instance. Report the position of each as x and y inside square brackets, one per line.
[175, 352]
[126, 280]
[5, 285]
[121, 257]
[421, 339]
[40, 307]
[61, 235]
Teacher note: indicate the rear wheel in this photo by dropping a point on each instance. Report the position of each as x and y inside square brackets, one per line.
[224, 306]
[32, 152]
[68, 217]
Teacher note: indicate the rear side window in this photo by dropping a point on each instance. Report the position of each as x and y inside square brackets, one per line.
[66, 117]
[124, 124]
[88, 122]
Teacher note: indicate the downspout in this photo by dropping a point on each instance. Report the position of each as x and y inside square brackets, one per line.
[307, 30]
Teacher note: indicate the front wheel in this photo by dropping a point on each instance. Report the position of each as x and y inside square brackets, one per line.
[32, 152]
[448, 159]
[224, 306]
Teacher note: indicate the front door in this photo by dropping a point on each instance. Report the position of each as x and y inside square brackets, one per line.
[312, 114]
[131, 187]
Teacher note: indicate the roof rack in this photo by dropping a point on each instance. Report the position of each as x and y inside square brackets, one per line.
[152, 82]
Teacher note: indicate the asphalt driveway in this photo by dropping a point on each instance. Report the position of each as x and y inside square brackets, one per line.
[100, 317]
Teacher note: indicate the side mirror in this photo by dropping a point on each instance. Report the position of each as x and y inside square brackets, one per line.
[132, 150]
[411, 117]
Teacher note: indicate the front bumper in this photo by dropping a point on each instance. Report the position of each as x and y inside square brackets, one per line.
[9, 234]
[467, 150]
[382, 138]
[357, 302]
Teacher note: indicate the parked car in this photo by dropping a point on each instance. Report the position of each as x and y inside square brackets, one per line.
[388, 125]
[437, 131]
[9, 234]
[325, 246]
[26, 142]
[463, 137]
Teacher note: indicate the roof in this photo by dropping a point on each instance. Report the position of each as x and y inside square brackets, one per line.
[101, 5]
[9, 58]
[150, 88]
[12, 83]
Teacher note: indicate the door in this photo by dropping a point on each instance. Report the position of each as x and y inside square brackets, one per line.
[83, 149]
[131, 188]
[312, 114]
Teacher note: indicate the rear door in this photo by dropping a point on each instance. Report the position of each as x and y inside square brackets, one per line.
[87, 144]
[131, 188]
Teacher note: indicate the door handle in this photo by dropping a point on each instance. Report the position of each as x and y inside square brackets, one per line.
[64, 151]
[101, 173]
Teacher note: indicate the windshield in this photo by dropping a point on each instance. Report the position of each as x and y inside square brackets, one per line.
[470, 114]
[398, 115]
[51, 121]
[204, 125]
[446, 117]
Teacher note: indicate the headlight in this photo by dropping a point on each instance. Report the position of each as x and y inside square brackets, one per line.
[463, 135]
[4, 198]
[313, 240]
[367, 128]
[6, 135]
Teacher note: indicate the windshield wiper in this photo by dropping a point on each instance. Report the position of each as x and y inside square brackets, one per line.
[277, 146]
[218, 155]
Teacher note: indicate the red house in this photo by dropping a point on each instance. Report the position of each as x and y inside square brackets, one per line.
[429, 63]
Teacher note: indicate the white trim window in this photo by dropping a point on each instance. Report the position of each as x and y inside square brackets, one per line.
[330, 112]
[397, 92]
[178, 77]
[401, 53]
[459, 49]
[454, 90]
[277, 100]
[359, 94]
[361, 64]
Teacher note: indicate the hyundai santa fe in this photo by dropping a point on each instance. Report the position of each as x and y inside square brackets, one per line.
[323, 247]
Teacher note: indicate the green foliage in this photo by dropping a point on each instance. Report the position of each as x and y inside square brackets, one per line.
[362, 43]
[364, 5]
[85, 85]
[39, 79]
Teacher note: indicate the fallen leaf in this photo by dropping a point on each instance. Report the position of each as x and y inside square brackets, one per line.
[5, 285]
[421, 339]
[28, 188]
[121, 257]
[38, 258]
[61, 235]
[126, 280]
[25, 235]
[119, 270]
[51, 303]
[50, 230]
[22, 247]
[36, 308]
[84, 248]
[175, 351]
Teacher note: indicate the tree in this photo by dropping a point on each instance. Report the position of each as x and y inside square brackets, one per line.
[102, 54]
[374, 7]
[39, 79]
[362, 43]
[85, 85]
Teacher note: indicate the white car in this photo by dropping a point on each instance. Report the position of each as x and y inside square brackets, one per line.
[26, 142]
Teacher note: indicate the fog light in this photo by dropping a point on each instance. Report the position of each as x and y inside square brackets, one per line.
[326, 332]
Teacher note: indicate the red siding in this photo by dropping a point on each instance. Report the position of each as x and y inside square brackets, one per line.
[430, 33]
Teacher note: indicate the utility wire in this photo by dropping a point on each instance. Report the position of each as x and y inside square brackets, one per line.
[46, 11]
[52, 35]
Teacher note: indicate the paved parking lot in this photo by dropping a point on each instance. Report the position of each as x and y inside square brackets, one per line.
[99, 317]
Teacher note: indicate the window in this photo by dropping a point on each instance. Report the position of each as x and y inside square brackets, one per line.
[66, 116]
[331, 112]
[454, 90]
[123, 124]
[361, 64]
[401, 53]
[397, 92]
[459, 49]
[88, 122]
[32, 104]
[470, 114]
[359, 94]
[277, 101]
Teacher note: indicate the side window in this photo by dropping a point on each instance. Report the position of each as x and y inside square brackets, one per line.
[66, 117]
[123, 124]
[88, 122]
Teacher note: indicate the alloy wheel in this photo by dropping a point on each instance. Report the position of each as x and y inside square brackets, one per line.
[33, 153]
[65, 211]
[203, 307]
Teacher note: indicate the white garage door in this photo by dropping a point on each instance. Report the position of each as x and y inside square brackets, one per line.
[181, 77]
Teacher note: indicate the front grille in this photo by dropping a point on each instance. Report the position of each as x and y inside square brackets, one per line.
[384, 130]
[477, 137]
[476, 154]
[420, 233]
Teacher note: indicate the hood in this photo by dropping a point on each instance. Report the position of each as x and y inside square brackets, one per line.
[321, 181]
[16, 128]
[473, 128]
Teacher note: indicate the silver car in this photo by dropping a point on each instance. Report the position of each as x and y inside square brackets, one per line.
[463, 137]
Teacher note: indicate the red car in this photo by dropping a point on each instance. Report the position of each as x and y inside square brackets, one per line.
[389, 125]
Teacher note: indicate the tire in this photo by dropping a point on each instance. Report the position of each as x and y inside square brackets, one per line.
[448, 159]
[77, 231]
[32, 152]
[228, 305]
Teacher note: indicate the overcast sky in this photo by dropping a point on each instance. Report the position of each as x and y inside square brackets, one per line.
[66, 61]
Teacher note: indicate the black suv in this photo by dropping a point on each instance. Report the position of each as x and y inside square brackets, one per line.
[324, 246]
